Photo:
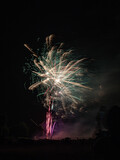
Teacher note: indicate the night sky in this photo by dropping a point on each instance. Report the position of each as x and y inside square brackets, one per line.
[92, 28]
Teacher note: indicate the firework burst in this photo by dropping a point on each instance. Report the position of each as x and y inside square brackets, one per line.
[57, 77]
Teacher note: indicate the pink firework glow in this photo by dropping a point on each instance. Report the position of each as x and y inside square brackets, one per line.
[49, 124]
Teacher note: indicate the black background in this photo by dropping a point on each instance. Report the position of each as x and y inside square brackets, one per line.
[91, 26]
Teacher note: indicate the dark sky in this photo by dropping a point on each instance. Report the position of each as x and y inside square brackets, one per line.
[93, 28]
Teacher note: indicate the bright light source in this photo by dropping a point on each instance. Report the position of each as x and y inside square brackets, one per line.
[57, 80]
[47, 73]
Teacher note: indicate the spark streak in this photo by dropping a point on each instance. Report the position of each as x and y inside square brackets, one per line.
[60, 76]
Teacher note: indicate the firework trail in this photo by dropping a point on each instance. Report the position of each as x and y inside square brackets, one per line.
[57, 77]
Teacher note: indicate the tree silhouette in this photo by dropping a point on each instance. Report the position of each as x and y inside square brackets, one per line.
[113, 121]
